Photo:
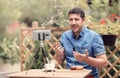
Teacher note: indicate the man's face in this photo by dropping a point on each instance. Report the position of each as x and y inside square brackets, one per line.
[75, 22]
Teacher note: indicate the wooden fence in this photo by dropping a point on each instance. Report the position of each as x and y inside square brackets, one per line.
[27, 47]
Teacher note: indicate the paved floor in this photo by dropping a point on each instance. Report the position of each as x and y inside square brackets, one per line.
[4, 74]
[6, 69]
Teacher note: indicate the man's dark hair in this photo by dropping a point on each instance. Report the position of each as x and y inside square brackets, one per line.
[77, 10]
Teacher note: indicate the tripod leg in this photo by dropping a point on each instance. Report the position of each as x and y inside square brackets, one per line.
[37, 53]
[35, 57]
[44, 56]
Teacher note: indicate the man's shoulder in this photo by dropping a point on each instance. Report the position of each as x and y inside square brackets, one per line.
[68, 32]
[91, 32]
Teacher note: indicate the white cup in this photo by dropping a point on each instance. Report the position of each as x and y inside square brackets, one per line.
[49, 66]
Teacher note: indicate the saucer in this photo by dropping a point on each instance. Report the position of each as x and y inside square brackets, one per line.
[49, 70]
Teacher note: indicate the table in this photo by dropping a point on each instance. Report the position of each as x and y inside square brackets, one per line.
[62, 73]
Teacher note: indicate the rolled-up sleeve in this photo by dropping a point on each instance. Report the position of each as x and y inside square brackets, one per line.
[98, 46]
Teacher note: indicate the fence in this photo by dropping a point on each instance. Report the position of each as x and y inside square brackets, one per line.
[27, 47]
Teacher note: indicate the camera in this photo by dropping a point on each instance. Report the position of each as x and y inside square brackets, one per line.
[41, 35]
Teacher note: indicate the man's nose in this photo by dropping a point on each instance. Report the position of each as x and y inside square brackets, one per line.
[73, 22]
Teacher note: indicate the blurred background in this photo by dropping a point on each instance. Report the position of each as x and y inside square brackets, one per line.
[18, 14]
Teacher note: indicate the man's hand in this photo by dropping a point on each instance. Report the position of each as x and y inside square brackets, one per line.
[81, 57]
[100, 61]
[59, 49]
[59, 56]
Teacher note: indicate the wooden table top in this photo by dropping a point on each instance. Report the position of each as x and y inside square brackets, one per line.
[62, 73]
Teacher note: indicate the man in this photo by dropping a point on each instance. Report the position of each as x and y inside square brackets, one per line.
[81, 46]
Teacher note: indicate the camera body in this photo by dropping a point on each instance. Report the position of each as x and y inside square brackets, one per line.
[41, 35]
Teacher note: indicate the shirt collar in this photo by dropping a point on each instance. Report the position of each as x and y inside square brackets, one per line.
[81, 33]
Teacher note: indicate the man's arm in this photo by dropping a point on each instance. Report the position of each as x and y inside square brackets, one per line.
[100, 61]
[59, 56]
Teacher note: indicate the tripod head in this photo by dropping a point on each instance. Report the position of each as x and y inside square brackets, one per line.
[41, 35]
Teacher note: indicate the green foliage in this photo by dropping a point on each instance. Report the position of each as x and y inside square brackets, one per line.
[61, 8]
[18, 10]
[3, 55]
[40, 10]
[99, 9]
[114, 9]
[110, 28]
[9, 51]
[35, 61]
[43, 10]
[15, 10]
[9, 11]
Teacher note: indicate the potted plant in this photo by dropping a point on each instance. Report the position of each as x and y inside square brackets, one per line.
[108, 32]
[109, 38]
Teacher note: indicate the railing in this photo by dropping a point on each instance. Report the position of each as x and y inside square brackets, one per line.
[113, 53]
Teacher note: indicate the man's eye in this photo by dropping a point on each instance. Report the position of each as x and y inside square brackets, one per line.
[76, 19]
[70, 19]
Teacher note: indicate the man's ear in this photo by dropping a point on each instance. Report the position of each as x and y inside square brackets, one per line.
[83, 19]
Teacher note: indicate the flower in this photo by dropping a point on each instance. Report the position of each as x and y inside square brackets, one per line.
[113, 15]
[103, 21]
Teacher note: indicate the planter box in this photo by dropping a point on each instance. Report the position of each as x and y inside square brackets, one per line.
[109, 40]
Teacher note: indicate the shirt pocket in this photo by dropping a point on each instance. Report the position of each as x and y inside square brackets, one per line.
[84, 48]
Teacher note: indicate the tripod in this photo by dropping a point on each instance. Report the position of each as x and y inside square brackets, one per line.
[41, 48]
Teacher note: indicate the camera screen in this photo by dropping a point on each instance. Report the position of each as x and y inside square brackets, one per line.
[41, 35]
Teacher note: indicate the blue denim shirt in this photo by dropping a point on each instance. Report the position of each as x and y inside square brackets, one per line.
[87, 39]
